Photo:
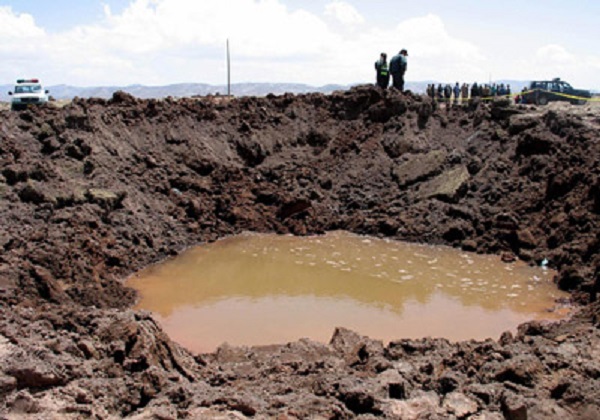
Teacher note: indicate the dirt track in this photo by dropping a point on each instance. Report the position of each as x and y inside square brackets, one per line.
[91, 192]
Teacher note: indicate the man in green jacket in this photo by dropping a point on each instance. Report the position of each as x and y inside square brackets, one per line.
[383, 72]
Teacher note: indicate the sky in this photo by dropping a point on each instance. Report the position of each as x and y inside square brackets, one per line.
[316, 42]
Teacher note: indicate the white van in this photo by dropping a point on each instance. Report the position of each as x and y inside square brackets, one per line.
[28, 92]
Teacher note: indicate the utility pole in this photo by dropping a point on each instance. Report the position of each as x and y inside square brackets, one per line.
[228, 71]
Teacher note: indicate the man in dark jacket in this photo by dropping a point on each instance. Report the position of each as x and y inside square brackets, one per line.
[398, 66]
[475, 90]
[383, 73]
[440, 92]
[447, 93]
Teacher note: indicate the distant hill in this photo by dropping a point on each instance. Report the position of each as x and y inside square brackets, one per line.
[202, 89]
[178, 90]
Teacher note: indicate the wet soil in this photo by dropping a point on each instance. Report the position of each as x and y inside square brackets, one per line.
[94, 191]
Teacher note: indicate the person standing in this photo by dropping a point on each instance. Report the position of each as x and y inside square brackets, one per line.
[474, 90]
[485, 91]
[398, 65]
[447, 93]
[456, 93]
[501, 90]
[440, 92]
[465, 92]
[383, 72]
[431, 91]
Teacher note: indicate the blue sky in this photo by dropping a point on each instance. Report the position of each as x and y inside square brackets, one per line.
[119, 42]
[58, 15]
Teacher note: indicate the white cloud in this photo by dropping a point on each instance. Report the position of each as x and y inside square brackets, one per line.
[184, 41]
[13, 26]
[436, 54]
[553, 61]
[550, 61]
[171, 41]
[20, 37]
[163, 41]
[259, 29]
[168, 41]
[21, 42]
[433, 53]
[344, 12]
[554, 53]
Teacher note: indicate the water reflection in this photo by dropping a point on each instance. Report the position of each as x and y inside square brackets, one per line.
[253, 289]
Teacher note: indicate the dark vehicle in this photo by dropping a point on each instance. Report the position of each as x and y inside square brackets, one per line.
[542, 92]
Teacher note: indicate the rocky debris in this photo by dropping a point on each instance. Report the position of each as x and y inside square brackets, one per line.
[47, 286]
[522, 122]
[94, 191]
[120, 97]
[64, 350]
[293, 207]
[396, 146]
[36, 193]
[419, 167]
[421, 406]
[513, 406]
[501, 109]
[526, 239]
[105, 199]
[448, 186]
[569, 279]
[459, 404]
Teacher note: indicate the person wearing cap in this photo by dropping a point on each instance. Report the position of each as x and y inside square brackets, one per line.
[383, 72]
[398, 65]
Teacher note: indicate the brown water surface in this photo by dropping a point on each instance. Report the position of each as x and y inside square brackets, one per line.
[262, 289]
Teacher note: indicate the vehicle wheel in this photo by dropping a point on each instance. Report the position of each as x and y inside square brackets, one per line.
[542, 100]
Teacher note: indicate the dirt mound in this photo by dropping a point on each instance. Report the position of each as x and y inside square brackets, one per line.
[93, 191]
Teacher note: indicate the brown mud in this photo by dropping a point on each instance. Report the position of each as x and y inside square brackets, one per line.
[94, 191]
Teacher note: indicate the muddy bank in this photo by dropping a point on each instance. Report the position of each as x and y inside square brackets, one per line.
[98, 189]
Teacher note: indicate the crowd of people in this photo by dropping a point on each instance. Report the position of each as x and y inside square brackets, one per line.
[458, 93]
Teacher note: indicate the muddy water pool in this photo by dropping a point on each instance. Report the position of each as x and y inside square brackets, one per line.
[256, 289]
